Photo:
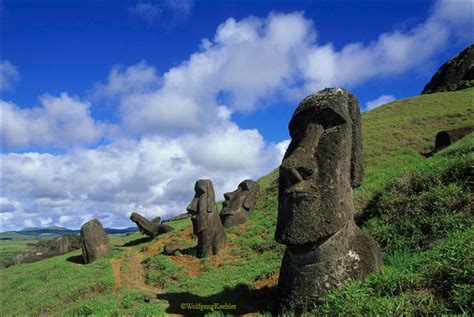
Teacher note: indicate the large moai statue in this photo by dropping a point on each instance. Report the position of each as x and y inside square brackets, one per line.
[150, 228]
[207, 225]
[239, 203]
[94, 241]
[322, 164]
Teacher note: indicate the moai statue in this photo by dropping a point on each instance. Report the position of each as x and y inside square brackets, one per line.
[94, 241]
[322, 164]
[239, 203]
[150, 228]
[207, 225]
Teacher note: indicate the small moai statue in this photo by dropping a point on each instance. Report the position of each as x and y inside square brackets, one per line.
[207, 225]
[238, 204]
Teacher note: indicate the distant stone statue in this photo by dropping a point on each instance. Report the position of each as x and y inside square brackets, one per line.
[239, 203]
[94, 241]
[207, 225]
[322, 164]
[150, 228]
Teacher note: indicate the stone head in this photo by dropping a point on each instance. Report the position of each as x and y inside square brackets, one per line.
[320, 167]
[202, 206]
[240, 201]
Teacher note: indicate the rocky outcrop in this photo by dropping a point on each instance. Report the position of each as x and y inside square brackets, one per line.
[322, 164]
[239, 203]
[207, 225]
[95, 243]
[456, 74]
[150, 228]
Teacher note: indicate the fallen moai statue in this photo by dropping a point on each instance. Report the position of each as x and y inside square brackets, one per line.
[150, 228]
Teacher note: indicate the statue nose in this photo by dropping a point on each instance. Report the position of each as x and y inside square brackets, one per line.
[230, 195]
[192, 206]
[291, 174]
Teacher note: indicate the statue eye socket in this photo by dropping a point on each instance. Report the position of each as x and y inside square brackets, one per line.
[304, 172]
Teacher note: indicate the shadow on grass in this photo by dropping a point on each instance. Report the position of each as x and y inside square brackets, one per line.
[370, 211]
[237, 300]
[137, 242]
[189, 251]
[76, 259]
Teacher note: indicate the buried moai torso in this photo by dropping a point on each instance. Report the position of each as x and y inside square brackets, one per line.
[94, 241]
[207, 224]
[315, 209]
[239, 203]
[150, 228]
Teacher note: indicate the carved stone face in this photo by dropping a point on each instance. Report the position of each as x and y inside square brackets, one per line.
[321, 165]
[202, 206]
[238, 203]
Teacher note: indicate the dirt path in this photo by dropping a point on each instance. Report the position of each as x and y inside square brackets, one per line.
[116, 265]
[128, 272]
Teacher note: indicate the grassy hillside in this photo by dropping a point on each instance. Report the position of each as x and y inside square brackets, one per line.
[419, 211]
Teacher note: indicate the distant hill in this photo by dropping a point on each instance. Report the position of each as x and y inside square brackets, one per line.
[30, 229]
[56, 230]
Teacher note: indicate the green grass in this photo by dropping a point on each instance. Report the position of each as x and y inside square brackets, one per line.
[436, 282]
[51, 285]
[10, 248]
[417, 209]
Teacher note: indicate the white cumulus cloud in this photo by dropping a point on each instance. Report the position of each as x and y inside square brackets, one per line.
[379, 102]
[153, 176]
[59, 121]
[9, 75]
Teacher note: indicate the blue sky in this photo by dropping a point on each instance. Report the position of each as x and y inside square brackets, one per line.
[110, 107]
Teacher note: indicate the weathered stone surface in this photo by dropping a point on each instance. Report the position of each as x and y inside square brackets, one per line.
[456, 74]
[207, 225]
[315, 209]
[95, 243]
[239, 203]
[173, 247]
[150, 228]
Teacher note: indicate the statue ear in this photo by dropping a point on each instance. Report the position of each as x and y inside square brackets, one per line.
[250, 201]
[357, 159]
[211, 199]
[252, 196]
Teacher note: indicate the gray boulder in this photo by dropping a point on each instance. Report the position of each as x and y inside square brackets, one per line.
[172, 247]
[94, 240]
